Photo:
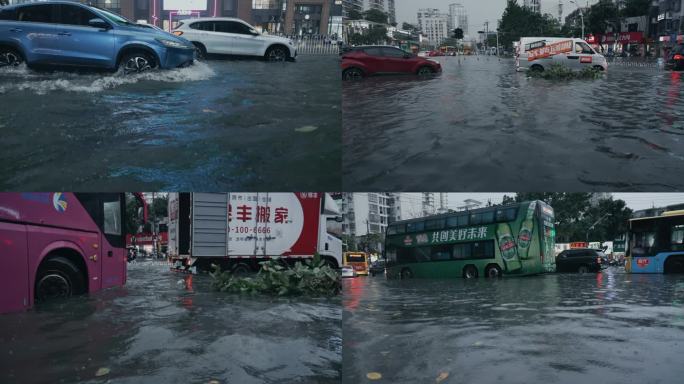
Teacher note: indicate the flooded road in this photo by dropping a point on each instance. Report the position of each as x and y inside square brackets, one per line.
[218, 125]
[481, 126]
[596, 328]
[165, 327]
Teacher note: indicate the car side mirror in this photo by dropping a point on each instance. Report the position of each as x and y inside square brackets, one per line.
[98, 23]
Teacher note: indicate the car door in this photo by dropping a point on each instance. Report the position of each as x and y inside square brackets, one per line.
[214, 39]
[583, 56]
[245, 39]
[375, 60]
[83, 45]
[35, 31]
[395, 60]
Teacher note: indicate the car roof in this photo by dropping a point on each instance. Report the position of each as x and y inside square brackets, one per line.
[192, 20]
[47, 2]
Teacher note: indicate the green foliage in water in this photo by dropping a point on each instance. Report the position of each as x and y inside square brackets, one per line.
[562, 72]
[311, 278]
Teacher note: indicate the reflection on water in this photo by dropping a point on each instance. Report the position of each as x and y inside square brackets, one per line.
[212, 126]
[165, 327]
[609, 328]
[482, 126]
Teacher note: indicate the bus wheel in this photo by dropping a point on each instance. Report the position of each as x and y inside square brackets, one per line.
[406, 274]
[470, 272]
[241, 270]
[582, 269]
[493, 272]
[674, 264]
[58, 278]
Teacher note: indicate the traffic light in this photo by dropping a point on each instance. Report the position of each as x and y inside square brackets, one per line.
[457, 33]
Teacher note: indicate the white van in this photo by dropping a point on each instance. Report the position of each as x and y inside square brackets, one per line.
[539, 53]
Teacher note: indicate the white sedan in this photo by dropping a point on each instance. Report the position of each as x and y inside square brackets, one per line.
[231, 36]
[348, 271]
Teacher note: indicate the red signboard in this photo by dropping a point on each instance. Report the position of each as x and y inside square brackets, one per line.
[147, 239]
[620, 38]
[579, 245]
[642, 263]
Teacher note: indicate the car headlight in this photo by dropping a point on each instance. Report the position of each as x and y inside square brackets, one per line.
[171, 43]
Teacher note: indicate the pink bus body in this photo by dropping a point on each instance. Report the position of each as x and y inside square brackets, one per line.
[59, 244]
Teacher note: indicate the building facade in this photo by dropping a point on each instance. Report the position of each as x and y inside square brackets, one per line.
[433, 24]
[458, 18]
[365, 213]
[534, 5]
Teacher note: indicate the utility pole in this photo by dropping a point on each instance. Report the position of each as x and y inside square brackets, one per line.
[487, 36]
[596, 223]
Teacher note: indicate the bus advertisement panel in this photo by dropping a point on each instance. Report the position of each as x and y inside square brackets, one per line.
[506, 240]
[57, 245]
[656, 244]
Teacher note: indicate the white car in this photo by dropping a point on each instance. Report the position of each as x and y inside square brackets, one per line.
[348, 271]
[540, 53]
[231, 36]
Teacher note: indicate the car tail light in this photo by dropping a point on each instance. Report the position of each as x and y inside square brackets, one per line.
[679, 57]
[178, 33]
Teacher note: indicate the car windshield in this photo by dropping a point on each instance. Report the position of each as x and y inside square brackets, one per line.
[114, 18]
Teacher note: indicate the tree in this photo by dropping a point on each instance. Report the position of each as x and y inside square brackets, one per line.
[458, 34]
[354, 15]
[602, 15]
[611, 226]
[376, 16]
[518, 21]
[408, 27]
[636, 8]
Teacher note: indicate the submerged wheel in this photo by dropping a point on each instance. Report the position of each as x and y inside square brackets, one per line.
[406, 274]
[537, 68]
[137, 62]
[598, 68]
[470, 272]
[241, 270]
[200, 50]
[493, 272]
[277, 53]
[352, 74]
[425, 71]
[57, 278]
[10, 57]
[674, 264]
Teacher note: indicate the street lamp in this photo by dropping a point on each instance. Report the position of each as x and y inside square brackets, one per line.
[596, 223]
[581, 15]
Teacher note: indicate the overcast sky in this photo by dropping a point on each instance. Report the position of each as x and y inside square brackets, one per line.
[479, 11]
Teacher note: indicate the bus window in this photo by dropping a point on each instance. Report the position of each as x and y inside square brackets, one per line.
[434, 224]
[677, 239]
[441, 252]
[112, 217]
[457, 221]
[391, 230]
[487, 217]
[415, 226]
[422, 254]
[476, 219]
[506, 215]
[462, 220]
[483, 250]
[400, 228]
[462, 251]
[643, 243]
[391, 255]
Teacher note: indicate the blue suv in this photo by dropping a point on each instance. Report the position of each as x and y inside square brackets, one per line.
[63, 33]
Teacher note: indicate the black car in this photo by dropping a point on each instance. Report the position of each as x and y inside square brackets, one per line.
[676, 59]
[377, 268]
[580, 260]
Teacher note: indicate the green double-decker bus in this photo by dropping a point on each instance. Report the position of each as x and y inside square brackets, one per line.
[516, 239]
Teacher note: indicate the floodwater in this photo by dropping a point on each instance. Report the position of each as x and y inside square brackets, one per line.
[609, 327]
[481, 126]
[215, 126]
[165, 327]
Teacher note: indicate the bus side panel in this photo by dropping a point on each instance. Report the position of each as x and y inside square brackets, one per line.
[14, 285]
[43, 241]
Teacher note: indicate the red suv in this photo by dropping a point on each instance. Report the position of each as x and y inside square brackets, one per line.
[359, 62]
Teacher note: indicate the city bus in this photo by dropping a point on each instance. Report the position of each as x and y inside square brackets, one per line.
[358, 261]
[56, 245]
[516, 239]
[656, 244]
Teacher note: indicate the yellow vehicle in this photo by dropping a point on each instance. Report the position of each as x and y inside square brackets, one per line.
[358, 261]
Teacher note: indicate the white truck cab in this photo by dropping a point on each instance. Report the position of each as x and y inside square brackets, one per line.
[540, 53]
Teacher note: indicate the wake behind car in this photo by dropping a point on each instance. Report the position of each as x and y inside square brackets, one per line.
[363, 61]
[675, 61]
[231, 36]
[540, 53]
[63, 33]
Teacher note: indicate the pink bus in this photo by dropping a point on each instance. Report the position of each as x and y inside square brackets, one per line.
[56, 245]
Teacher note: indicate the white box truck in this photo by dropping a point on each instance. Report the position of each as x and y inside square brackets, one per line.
[540, 53]
[237, 231]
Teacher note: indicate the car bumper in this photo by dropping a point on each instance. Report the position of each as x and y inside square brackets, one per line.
[177, 57]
